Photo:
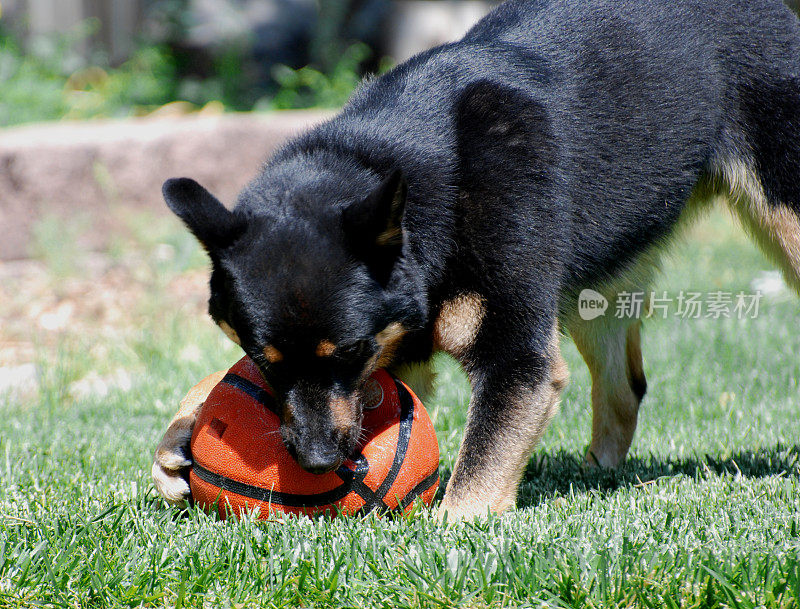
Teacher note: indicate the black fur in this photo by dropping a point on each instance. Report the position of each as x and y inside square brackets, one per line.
[539, 155]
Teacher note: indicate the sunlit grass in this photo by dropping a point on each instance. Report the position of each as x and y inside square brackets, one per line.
[706, 513]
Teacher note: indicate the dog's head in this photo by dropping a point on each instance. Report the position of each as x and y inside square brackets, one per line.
[313, 292]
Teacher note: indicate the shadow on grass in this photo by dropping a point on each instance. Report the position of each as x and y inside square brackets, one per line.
[560, 473]
[555, 474]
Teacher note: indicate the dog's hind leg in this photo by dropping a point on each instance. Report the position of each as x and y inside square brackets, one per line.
[773, 224]
[611, 350]
[760, 167]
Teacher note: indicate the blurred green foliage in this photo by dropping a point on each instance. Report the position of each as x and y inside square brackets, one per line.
[309, 87]
[49, 80]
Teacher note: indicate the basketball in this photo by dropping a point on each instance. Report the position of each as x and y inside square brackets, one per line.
[240, 462]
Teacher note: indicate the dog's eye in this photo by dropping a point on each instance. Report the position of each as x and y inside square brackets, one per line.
[355, 351]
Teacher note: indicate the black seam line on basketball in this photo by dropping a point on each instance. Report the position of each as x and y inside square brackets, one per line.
[251, 389]
[404, 502]
[270, 496]
[355, 478]
[403, 438]
[419, 489]
[371, 499]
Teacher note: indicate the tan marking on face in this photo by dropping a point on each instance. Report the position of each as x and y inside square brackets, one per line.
[325, 349]
[343, 413]
[288, 414]
[272, 354]
[370, 367]
[492, 484]
[388, 340]
[458, 324]
[230, 332]
[391, 333]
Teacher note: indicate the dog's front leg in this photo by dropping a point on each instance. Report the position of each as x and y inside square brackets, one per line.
[513, 399]
[173, 455]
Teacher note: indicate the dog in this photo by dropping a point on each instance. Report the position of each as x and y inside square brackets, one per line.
[462, 201]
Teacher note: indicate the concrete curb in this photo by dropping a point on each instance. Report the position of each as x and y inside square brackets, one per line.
[80, 169]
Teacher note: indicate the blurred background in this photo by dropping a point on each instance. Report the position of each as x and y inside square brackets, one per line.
[93, 58]
[101, 58]
[192, 85]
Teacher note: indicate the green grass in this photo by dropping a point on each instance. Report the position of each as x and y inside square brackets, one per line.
[706, 512]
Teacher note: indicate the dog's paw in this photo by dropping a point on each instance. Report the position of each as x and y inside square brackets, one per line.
[458, 511]
[172, 461]
[173, 456]
[604, 456]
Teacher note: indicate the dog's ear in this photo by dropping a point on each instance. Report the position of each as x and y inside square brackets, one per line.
[210, 221]
[373, 225]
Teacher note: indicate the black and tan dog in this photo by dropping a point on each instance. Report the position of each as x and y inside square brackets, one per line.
[462, 201]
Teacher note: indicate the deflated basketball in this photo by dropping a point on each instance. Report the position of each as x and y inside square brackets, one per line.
[240, 461]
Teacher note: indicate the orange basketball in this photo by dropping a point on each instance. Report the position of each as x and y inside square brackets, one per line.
[240, 461]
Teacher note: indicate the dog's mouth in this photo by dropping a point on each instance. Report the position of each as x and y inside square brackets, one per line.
[320, 442]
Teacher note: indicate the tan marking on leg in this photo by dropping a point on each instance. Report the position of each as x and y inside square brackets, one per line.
[633, 358]
[494, 487]
[325, 348]
[772, 225]
[612, 353]
[611, 350]
[458, 324]
[272, 354]
[170, 485]
[170, 450]
[230, 332]
[197, 395]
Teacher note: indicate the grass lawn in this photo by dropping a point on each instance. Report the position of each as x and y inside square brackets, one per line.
[706, 512]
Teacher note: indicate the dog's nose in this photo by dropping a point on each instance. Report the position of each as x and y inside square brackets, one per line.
[319, 461]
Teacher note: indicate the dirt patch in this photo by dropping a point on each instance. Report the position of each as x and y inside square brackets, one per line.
[104, 303]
